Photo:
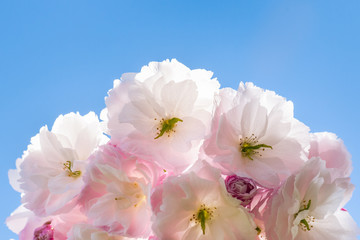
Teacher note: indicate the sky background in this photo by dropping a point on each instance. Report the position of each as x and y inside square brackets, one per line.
[58, 57]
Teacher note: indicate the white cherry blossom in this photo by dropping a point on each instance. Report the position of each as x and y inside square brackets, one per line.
[196, 205]
[310, 206]
[163, 111]
[49, 174]
[254, 134]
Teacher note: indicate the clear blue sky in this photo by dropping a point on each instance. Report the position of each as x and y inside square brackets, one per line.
[62, 56]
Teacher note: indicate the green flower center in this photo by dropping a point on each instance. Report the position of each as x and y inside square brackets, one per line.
[68, 167]
[202, 215]
[249, 146]
[305, 223]
[167, 126]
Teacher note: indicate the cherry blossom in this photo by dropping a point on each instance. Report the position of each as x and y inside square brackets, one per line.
[178, 158]
[29, 226]
[118, 186]
[309, 206]
[197, 206]
[254, 134]
[50, 172]
[330, 148]
[166, 107]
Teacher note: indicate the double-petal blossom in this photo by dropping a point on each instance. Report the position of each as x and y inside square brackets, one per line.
[29, 226]
[310, 206]
[254, 134]
[196, 205]
[166, 107]
[332, 150]
[118, 186]
[49, 175]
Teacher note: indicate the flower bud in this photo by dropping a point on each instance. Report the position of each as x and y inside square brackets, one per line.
[45, 232]
[241, 188]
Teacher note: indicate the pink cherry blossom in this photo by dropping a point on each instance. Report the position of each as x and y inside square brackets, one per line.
[117, 192]
[254, 134]
[29, 226]
[185, 160]
[166, 107]
[308, 206]
[330, 148]
[50, 172]
[197, 206]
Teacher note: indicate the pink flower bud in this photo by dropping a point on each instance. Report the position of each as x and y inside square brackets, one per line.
[241, 188]
[45, 232]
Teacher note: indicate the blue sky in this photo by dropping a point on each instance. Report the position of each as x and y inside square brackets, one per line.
[58, 57]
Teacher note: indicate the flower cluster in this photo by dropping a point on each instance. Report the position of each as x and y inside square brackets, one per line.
[175, 156]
